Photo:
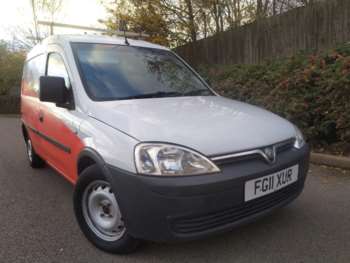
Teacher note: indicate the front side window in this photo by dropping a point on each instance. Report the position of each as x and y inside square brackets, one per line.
[116, 72]
[56, 68]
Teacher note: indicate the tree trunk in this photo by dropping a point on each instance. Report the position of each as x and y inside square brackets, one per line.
[259, 8]
[221, 18]
[274, 7]
[216, 16]
[192, 26]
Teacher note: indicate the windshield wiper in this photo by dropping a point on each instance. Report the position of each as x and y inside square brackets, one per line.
[159, 94]
[198, 92]
[163, 94]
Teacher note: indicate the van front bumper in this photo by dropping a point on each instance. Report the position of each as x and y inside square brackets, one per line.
[191, 207]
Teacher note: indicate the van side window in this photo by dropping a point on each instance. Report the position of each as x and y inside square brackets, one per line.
[33, 70]
[56, 68]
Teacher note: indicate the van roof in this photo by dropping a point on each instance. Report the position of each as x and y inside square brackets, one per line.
[65, 40]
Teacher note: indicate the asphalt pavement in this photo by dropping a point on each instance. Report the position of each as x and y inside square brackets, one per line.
[37, 223]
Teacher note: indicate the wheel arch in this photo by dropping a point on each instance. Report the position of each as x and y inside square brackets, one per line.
[88, 157]
[24, 132]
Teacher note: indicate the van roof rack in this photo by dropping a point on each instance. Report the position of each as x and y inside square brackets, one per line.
[123, 33]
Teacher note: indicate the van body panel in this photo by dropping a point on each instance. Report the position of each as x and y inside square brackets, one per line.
[212, 125]
[62, 145]
[116, 148]
[30, 111]
[30, 103]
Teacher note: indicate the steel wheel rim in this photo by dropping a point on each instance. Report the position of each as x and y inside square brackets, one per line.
[30, 150]
[101, 211]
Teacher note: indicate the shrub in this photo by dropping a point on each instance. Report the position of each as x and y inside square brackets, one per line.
[11, 64]
[311, 90]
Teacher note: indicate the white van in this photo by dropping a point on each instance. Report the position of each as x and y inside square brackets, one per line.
[153, 152]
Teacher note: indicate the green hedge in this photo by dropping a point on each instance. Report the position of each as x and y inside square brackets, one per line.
[313, 91]
[11, 65]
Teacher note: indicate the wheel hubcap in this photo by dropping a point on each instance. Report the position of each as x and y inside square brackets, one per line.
[30, 150]
[101, 211]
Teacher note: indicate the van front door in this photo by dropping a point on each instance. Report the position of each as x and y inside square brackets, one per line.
[59, 126]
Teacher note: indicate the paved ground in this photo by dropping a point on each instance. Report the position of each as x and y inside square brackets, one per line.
[37, 222]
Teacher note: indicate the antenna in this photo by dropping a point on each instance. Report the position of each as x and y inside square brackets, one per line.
[123, 27]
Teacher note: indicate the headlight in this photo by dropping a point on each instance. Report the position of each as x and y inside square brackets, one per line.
[171, 160]
[299, 138]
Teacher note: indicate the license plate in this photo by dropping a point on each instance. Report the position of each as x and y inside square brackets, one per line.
[270, 183]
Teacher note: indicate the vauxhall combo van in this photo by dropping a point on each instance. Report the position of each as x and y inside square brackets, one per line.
[152, 151]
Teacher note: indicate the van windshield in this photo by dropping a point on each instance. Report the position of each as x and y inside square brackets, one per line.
[116, 72]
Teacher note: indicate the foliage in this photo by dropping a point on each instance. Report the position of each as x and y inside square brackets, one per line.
[311, 90]
[141, 16]
[11, 64]
[176, 22]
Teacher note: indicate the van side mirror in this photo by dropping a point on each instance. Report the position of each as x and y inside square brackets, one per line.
[53, 89]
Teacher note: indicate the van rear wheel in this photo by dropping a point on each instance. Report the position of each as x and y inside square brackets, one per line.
[98, 213]
[35, 161]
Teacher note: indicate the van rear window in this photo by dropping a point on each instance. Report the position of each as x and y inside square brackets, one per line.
[117, 72]
[33, 70]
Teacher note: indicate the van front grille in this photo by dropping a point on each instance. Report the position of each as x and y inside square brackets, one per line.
[251, 154]
[203, 222]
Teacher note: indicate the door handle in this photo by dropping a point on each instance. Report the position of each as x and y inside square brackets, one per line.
[41, 116]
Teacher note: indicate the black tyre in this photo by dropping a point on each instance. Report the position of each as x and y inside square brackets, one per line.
[98, 214]
[35, 161]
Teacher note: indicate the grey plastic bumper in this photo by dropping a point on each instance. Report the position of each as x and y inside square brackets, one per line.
[184, 208]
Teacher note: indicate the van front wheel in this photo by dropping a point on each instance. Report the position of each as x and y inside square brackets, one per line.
[98, 213]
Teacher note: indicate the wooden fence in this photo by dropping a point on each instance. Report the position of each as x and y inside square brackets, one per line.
[315, 28]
